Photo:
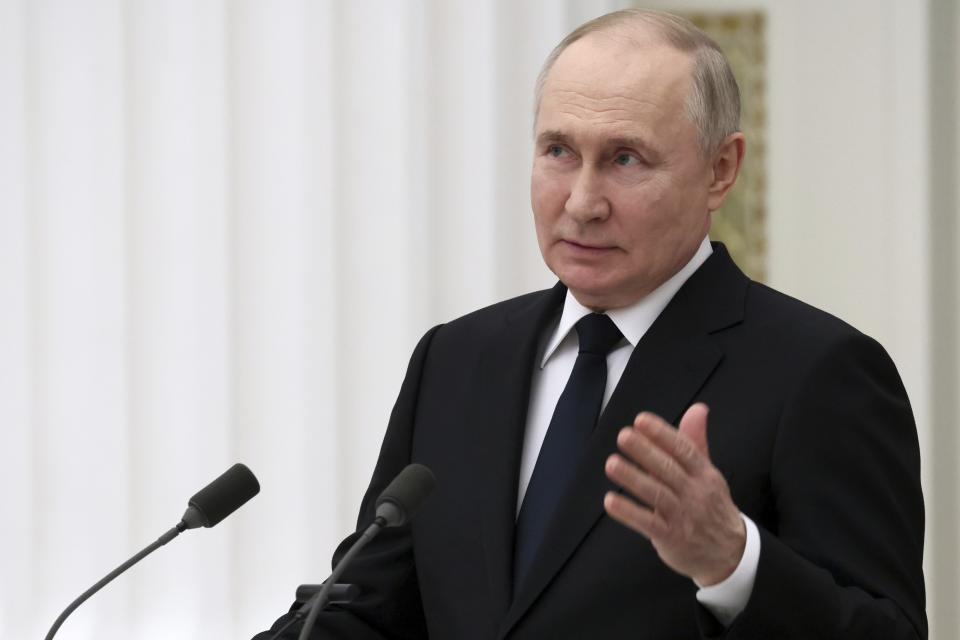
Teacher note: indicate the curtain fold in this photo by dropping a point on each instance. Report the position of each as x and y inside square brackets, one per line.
[223, 227]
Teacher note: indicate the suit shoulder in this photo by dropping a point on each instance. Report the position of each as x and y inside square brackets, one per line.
[780, 317]
[494, 314]
[477, 330]
[777, 309]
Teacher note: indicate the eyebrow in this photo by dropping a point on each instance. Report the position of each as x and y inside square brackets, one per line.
[637, 143]
[552, 135]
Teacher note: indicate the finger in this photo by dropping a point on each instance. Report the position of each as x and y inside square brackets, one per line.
[641, 486]
[693, 425]
[643, 452]
[632, 515]
[684, 450]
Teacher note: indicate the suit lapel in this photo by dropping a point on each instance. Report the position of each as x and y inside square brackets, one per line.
[497, 427]
[667, 368]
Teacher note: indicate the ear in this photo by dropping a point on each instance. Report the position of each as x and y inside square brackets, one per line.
[726, 167]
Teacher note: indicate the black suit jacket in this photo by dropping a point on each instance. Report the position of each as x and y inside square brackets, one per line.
[809, 423]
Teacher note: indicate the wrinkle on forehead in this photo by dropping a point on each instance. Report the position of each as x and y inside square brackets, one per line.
[573, 96]
[599, 118]
[617, 112]
[644, 95]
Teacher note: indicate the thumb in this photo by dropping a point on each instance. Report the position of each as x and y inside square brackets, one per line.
[693, 425]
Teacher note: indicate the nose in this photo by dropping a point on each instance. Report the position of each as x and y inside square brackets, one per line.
[587, 202]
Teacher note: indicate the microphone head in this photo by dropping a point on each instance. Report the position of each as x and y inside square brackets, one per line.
[402, 497]
[221, 497]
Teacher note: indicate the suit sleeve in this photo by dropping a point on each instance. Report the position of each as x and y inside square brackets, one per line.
[389, 603]
[842, 554]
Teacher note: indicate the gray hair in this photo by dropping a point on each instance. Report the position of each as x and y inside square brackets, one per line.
[714, 103]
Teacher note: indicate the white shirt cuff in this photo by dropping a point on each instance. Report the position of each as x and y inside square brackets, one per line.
[725, 600]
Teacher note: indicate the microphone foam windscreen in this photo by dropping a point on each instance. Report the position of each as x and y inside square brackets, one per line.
[408, 490]
[226, 494]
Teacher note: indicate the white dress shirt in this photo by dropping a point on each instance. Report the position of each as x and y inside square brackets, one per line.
[559, 352]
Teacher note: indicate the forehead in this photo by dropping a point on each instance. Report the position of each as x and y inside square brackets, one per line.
[610, 84]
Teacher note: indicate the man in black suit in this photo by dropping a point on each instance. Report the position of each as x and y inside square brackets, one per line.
[796, 514]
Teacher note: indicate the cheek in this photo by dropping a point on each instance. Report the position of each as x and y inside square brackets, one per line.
[546, 198]
[653, 222]
[645, 212]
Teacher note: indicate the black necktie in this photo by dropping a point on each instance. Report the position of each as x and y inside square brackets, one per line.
[573, 421]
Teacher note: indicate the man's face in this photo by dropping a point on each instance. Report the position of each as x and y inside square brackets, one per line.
[619, 186]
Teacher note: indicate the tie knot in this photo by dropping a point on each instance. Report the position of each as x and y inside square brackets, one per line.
[597, 334]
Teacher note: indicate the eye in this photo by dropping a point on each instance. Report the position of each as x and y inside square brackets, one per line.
[625, 159]
[555, 151]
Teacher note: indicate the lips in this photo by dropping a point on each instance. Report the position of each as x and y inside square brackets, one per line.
[587, 247]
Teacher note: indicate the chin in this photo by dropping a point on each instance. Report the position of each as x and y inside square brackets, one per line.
[601, 295]
[591, 295]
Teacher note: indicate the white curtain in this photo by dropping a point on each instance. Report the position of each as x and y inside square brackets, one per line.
[223, 227]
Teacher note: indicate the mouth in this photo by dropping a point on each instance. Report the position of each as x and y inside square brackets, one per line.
[585, 247]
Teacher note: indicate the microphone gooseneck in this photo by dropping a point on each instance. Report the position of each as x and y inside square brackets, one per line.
[162, 540]
[317, 602]
[209, 506]
[394, 507]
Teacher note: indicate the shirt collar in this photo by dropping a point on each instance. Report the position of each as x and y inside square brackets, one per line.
[635, 320]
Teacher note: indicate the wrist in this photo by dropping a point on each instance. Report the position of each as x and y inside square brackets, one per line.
[728, 561]
[726, 600]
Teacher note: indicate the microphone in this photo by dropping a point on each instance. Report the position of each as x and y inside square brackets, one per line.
[395, 507]
[207, 507]
[221, 497]
[402, 497]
